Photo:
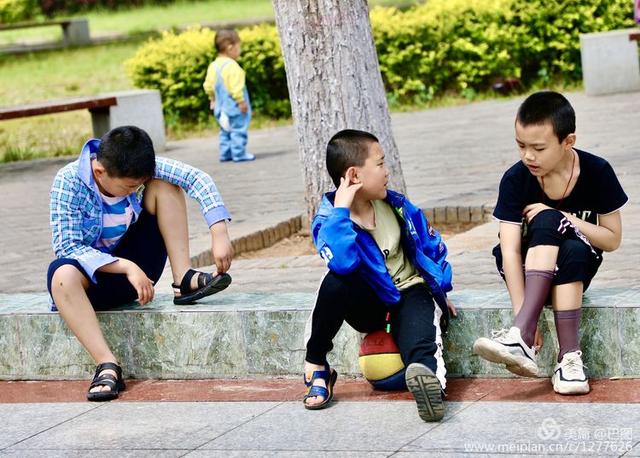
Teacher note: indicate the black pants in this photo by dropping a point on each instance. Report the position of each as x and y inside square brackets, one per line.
[142, 244]
[577, 259]
[415, 320]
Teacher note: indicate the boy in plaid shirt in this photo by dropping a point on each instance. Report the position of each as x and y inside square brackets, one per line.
[116, 213]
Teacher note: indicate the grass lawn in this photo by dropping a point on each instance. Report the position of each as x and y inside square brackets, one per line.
[92, 70]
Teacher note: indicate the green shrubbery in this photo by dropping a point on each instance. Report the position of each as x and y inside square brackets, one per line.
[443, 46]
[16, 10]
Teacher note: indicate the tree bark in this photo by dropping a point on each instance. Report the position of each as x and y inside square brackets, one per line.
[334, 83]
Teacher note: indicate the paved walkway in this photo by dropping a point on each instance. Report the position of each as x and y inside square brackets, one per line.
[450, 156]
[483, 418]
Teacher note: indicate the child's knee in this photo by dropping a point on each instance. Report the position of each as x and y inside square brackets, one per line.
[546, 220]
[67, 278]
[159, 189]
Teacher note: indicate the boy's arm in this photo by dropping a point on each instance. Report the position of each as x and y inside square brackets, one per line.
[606, 235]
[234, 80]
[510, 245]
[335, 240]
[209, 82]
[66, 227]
[197, 184]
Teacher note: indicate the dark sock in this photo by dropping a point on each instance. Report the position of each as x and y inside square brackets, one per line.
[567, 325]
[536, 289]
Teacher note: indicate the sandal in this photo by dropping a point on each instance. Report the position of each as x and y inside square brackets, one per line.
[116, 384]
[329, 376]
[208, 284]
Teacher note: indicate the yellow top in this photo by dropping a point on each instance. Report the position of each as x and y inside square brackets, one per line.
[233, 78]
[386, 233]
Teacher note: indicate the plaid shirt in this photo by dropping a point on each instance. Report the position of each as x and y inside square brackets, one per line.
[76, 205]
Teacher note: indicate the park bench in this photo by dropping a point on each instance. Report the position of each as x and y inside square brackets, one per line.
[610, 61]
[75, 31]
[142, 108]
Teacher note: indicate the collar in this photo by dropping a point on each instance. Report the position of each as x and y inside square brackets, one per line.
[84, 161]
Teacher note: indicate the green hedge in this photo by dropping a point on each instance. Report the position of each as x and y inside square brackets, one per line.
[16, 10]
[443, 46]
[56, 7]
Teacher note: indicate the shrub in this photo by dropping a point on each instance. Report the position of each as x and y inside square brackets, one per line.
[442, 46]
[176, 65]
[16, 10]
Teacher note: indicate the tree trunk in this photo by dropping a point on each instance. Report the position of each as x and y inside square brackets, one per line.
[334, 83]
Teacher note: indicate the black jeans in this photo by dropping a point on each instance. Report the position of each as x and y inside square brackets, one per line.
[415, 320]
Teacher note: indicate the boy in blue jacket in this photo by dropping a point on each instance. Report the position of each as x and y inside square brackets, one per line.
[387, 268]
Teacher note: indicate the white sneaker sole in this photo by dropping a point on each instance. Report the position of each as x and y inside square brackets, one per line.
[571, 387]
[495, 353]
[425, 388]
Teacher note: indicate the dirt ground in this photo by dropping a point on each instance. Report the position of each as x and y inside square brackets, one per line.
[300, 244]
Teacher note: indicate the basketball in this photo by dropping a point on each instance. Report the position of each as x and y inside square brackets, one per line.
[380, 361]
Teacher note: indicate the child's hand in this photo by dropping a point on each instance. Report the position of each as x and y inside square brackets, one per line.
[532, 210]
[538, 340]
[346, 191]
[221, 247]
[141, 283]
[212, 105]
[452, 308]
[243, 106]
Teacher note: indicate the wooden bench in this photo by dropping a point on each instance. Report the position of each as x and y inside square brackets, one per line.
[142, 108]
[75, 31]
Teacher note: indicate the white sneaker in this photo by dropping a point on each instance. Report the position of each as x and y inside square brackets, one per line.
[507, 347]
[568, 375]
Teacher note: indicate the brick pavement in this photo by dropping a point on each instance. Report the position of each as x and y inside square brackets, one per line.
[450, 156]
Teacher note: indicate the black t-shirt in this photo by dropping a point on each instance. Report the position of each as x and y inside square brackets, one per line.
[597, 191]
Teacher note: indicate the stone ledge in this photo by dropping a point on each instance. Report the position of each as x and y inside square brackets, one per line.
[250, 334]
[271, 235]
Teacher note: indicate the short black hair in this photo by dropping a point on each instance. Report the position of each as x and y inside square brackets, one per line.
[127, 152]
[347, 148]
[548, 106]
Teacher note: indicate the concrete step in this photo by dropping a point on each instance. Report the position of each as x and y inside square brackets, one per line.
[240, 334]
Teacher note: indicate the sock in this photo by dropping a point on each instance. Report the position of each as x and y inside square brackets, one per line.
[567, 325]
[536, 289]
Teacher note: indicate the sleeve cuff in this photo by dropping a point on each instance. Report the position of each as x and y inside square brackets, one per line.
[341, 211]
[217, 214]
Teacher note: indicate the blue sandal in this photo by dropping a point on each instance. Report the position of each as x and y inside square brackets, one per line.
[329, 376]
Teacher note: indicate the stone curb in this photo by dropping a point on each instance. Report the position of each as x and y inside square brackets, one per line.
[265, 238]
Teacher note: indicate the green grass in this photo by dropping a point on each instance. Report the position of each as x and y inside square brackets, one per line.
[51, 75]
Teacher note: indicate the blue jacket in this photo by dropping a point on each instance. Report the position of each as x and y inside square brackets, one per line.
[346, 248]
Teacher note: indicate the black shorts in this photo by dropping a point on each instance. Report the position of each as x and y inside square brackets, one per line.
[577, 260]
[142, 244]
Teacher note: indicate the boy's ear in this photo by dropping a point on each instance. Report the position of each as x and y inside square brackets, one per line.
[351, 175]
[570, 141]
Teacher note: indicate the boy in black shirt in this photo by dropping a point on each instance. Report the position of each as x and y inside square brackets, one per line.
[559, 209]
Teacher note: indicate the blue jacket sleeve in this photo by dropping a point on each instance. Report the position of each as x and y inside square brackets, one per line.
[335, 240]
[432, 245]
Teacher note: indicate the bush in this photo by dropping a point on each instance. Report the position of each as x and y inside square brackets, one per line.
[16, 10]
[442, 46]
[176, 65]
